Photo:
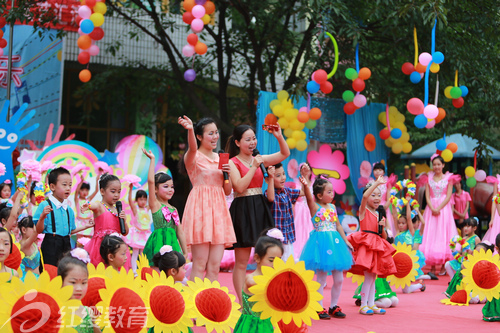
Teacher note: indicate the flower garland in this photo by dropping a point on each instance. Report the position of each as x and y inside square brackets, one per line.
[459, 247]
[399, 204]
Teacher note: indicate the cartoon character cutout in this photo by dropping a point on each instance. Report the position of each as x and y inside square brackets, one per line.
[330, 163]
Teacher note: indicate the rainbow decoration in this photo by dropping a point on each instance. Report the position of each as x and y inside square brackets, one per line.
[70, 153]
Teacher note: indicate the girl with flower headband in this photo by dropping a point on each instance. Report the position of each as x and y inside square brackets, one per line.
[385, 194]
[168, 230]
[327, 249]
[173, 263]
[5, 190]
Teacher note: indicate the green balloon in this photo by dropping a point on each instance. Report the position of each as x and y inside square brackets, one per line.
[456, 92]
[311, 124]
[471, 182]
[348, 96]
[351, 74]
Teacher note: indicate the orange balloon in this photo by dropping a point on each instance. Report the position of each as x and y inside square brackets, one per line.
[453, 147]
[441, 115]
[303, 117]
[1, 33]
[370, 142]
[209, 7]
[200, 48]
[85, 75]
[84, 42]
[189, 4]
[315, 113]
[270, 119]
[420, 68]
[364, 73]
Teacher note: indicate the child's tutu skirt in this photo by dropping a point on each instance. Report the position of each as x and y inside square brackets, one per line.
[421, 262]
[372, 253]
[326, 251]
[160, 237]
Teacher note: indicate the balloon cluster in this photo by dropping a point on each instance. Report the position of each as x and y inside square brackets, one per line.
[446, 151]
[354, 102]
[426, 116]
[474, 176]
[3, 41]
[197, 15]
[395, 133]
[456, 93]
[319, 81]
[90, 18]
[416, 72]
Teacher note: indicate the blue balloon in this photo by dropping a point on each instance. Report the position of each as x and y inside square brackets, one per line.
[396, 133]
[437, 57]
[312, 87]
[420, 121]
[415, 77]
[441, 144]
[87, 26]
[465, 90]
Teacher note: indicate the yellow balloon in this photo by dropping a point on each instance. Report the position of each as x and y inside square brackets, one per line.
[470, 172]
[389, 142]
[279, 110]
[296, 135]
[400, 118]
[295, 125]
[434, 68]
[283, 95]
[399, 125]
[206, 19]
[397, 148]
[393, 111]
[288, 132]
[291, 142]
[447, 91]
[407, 147]
[273, 103]
[381, 118]
[97, 19]
[301, 145]
[447, 155]
[100, 7]
[405, 137]
[303, 135]
[283, 123]
[289, 115]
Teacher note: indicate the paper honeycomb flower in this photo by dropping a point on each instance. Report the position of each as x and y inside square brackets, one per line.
[169, 310]
[97, 281]
[37, 305]
[286, 292]
[482, 274]
[460, 297]
[143, 267]
[406, 262]
[15, 258]
[292, 328]
[214, 307]
[51, 270]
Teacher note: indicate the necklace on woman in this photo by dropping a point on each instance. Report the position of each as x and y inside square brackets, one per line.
[109, 209]
[246, 162]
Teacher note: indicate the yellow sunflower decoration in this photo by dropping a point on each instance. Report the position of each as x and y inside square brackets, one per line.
[97, 281]
[37, 305]
[286, 292]
[169, 312]
[143, 267]
[123, 306]
[214, 307]
[406, 262]
[482, 274]
[460, 297]
[356, 278]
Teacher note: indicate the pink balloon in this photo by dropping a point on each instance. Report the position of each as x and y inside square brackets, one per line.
[84, 12]
[1, 52]
[431, 111]
[424, 58]
[198, 11]
[359, 101]
[430, 124]
[415, 106]
[80, 32]
[93, 50]
[480, 175]
[303, 109]
[197, 25]
[188, 50]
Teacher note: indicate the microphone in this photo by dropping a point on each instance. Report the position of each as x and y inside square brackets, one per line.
[381, 214]
[262, 168]
[122, 222]
[226, 176]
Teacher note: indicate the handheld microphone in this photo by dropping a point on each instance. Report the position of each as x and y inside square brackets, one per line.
[226, 176]
[122, 222]
[381, 214]
[262, 168]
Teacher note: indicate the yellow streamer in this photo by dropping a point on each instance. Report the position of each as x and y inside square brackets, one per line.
[416, 45]
[456, 78]
[336, 64]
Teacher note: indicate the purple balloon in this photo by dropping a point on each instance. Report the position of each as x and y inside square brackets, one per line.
[200, 2]
[189, 75]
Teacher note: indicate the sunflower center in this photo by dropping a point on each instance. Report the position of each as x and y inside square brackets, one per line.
[145, 271]
[459, 296]
[167, 304]
[14, 259]
[404, 264]
[287, 292]
[485, 274]
[35, 312]
[214, 304]
[127, 311]
[92, 296]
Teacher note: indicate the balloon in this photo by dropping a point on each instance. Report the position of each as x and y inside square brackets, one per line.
[189, 4]
[200, 2]
[404, 138]
[385, 134]
[370, 143]
[312, 87]
[447, 155]
[465, 90]
[348, 96]
[381, 118]
[192, 39]
[420, 121]
[3, 22]
[94, 50]
[430, 123]
[97, 19]
[3, 43]
[188, 50]
[197, 25]
[364, 73]
[315, 113]
[458, 103]
[420, 68]
[480, 175]
[431, 111]
[470, 172]
[424, 58]
[283, 123]
[209, 7]
[389, 142]
[441, 115]
[303, 117]
[396, 133]
[408, 68]
[97, 33]
[190, 75]
[100, 7]
[84, 58]
[471, 182]
[198, 11]
[447, 91]
[84, 42]
[89, 3]
[350, 108]
[407, 147]
[452, 146]
[351, 74]
[187, 17]
[326, 87]
[435, 68]
[270, 119]
[279, 110]
[320, 76]
[441, 144]
[84, 12]
[359, 101]
[397, 148]
[296, 125]
[456, 92]
[311, 124]
[358, 85]
[289, 115]
[437, 57]
[301, 145]
[415, 77]
[415, 106]
[283, 95]
[200, 48]
[206, 19]
[87, 26]
[85, 75]
[296, 135]
[288, 132]
[291, 142]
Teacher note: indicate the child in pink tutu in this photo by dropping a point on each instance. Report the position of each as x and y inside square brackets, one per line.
[494, 226]
[438, 216]
[303, 225]
[140, 224]
[106, 217]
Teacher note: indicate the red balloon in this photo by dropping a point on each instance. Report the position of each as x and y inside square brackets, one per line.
[458, 102]
[358, 85]
[187, 17]
[408, 68]
[78, 19]
[350, 108]
[84, 57]
[320, 76]
[3, 22]
[90, 3]
[192, 39]
[97, 33]
[326, 87]
[415, 106]
[384, 134]
[3, 43]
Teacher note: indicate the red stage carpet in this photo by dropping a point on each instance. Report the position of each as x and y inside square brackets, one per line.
[417, 312]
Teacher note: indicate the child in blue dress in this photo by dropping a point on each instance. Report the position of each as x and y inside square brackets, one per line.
[327, 249]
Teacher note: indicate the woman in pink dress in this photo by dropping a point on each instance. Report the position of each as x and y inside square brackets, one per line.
[460, 204]
[206, 221]
[438, 216]
[302, 214]
[494, 226]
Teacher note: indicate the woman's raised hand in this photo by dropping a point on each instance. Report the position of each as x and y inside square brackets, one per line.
[185, 122]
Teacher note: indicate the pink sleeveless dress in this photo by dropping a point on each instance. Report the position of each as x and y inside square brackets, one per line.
[105, 224]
